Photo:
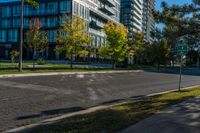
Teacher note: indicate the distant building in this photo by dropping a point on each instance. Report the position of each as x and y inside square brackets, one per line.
[148, 20]
[137, 16]
[131, 14]
[50, 13]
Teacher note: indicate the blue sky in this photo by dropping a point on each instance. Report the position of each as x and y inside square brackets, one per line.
[171, 2]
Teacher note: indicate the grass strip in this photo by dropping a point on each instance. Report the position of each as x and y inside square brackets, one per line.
[116, 118]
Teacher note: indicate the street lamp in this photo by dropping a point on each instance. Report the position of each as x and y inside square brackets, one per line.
[21, 36]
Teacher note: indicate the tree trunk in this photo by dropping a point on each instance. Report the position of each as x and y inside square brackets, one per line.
[88, 58]
[158, 66]
[71, 61]
[34, 58]
[113, 63]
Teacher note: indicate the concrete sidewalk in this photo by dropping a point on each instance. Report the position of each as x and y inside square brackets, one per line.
[67, 73]
[180, 118]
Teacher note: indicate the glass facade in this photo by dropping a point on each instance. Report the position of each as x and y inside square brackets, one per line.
[13, 35]
[131, 14]
[50, 13]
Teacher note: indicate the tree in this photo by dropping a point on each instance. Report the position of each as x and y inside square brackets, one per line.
[183, 19]
[36, 39]
[33, 3]
[116, 47]
[136, 44]
[159, 52]
[14, 55]
[73, 37]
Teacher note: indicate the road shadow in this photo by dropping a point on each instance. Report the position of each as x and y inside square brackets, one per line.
[51, 113]
[60, 111]
[122, 116]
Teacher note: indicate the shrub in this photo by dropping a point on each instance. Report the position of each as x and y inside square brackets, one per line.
[41, 61]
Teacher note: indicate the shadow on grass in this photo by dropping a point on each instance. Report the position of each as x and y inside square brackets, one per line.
[116, 118]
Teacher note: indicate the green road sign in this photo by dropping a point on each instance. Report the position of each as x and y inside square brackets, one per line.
[182, 49]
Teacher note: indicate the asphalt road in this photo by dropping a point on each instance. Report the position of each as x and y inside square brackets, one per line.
[25, 100]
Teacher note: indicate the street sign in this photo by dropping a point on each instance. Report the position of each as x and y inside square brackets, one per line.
[182, 49]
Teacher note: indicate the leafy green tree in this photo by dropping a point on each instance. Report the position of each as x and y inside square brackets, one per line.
[116, 47]
[36, 39]
[136, 44]
[34, 3]
[73, 37]
[159, 52]
[183, 19]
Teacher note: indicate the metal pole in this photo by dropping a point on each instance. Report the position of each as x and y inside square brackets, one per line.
[21, 36]
[180, 77]
[198, 61]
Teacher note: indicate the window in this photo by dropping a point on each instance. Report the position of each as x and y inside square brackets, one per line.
[40, 9]
[52, 22]
[26, 22]
[27, 10]
[65, 6]
[16, 23]
[12, 35]
[6, 23]
[16, 10]
[76, 5]
[52, 7]
[3, 35]
[6, 11]
[52, 36]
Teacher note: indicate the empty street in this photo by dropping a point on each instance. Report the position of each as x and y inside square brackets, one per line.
[24, 100]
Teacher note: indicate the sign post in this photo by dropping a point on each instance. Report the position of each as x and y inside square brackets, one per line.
[180, 77]
[182, 50]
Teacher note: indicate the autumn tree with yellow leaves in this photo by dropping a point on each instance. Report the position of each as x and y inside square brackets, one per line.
[116, 44]
[73, 37]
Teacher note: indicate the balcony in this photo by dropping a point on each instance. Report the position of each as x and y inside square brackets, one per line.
[111, 3]
[106, 9]
[96, 32]
[96, 24]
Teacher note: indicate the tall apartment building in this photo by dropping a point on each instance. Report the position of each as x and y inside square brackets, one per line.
[50, 13]
[131, 14]
[148, 20]
[137, 16]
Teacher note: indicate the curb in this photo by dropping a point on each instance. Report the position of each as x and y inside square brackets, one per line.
[65, 73]
[89, 110]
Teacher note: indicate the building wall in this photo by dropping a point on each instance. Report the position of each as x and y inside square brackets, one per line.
[50, 12]
[137, 16]
[148, 20]
[131, 14]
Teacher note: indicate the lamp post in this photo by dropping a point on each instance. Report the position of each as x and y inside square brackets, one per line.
[21, 36]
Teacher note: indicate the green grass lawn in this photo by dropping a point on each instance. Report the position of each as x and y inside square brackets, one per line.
[26, 64]
[118, 117]
[12, 68]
